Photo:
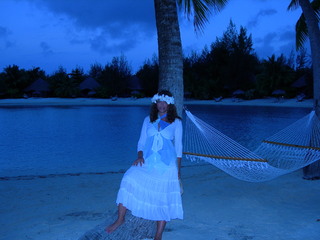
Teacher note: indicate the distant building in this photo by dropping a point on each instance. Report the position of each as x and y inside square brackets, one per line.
[88, 87]
[135, 87]
[304, 85]
[39, 88]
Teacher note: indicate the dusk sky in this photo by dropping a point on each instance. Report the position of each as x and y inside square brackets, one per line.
[79, 33]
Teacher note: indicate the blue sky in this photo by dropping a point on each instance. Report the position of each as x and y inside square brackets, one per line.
[79, 33]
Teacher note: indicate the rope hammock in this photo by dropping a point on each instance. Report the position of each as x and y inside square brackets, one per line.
[294, 147]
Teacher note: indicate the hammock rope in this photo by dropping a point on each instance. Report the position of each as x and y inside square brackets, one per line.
[294, 147]
[290, 145]
[224, 157]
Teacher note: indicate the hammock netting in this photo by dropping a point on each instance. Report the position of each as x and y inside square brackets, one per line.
[294, 147]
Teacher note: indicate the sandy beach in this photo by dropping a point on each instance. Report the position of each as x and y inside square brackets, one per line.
[216, 205]
[308, 103]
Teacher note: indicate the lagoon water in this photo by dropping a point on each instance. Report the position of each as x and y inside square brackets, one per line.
[46, 140]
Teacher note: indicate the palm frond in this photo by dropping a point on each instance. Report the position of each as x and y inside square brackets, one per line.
[294, 4]
[186, 5]
[301, 32]
[200, 10]
[301, 25]
[316, 6]
[201, 13]
[217, 5]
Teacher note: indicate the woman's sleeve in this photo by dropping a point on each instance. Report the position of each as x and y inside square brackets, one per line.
[143, 135]
[178, 138]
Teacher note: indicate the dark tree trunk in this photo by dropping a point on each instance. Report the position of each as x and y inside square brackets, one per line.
[169, 50]
[313, 171]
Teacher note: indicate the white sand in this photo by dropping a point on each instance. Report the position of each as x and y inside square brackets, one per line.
[216, 205]
[146, 101]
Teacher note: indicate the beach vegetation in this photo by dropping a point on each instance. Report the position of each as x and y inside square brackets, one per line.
[230, 63]
[148, 75]
[95, 70]
[64, 85]
[114, 78]
[14, 80]
[207, 75]
[275, 74]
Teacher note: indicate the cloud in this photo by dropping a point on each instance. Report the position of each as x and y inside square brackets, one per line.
[265, 46]
[9, 44]
[280, 42]
[104, 14]
[262, 13]
[4, 32]
[286, 49]
[106, 42]
[4, 35]
[105, 45]
[46, 50]
[287, 35]
[287, 41]
[108, 26]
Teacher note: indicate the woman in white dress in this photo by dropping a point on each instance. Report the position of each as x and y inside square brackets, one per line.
[150, 188]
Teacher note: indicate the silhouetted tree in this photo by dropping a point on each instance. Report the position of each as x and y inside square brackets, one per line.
[15, 80]
[275, 74]
[236, 58]
[95, 70]
[77, 75]
[114, 78]
[230, 64]
[62, 85]
[149, 76]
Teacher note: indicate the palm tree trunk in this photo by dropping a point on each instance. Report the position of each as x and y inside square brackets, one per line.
[313, 171]
[169, 50]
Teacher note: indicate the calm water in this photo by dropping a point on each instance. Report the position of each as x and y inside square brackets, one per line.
[55, 140]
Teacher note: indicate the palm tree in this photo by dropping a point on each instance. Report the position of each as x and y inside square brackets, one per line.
[308, 25]
[169, 40]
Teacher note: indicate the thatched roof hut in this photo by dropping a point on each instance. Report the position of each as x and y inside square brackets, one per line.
[135, 86]
[88, 86]
[89, 83]
[39, 88]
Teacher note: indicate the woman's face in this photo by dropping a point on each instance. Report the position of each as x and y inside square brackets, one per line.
[162, 107]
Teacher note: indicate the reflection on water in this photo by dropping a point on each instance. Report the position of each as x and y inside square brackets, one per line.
[48, 140]
[246, 124]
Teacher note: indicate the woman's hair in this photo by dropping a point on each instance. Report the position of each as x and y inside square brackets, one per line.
[171, 113]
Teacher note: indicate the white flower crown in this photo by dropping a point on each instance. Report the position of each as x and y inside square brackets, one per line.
[165, 98]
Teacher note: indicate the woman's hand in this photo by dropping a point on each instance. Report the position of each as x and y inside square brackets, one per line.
[139, 161]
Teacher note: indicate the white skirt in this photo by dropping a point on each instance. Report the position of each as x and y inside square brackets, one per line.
[152, 191]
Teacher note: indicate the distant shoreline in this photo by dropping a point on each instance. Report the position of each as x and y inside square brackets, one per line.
[308, 103]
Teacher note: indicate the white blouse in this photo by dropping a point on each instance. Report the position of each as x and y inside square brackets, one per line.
[167, 142]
